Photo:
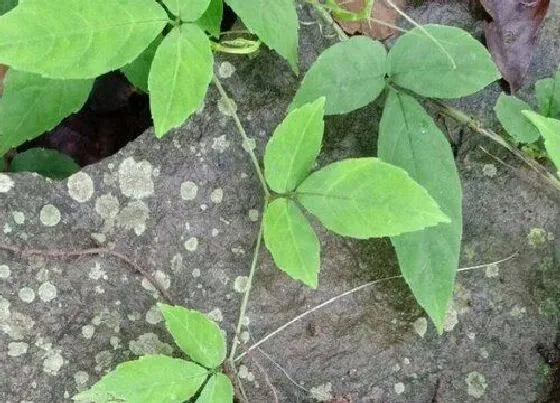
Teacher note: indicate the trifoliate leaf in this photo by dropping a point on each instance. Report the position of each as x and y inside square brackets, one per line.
[291, 241]
[508, 109]
[50, 163]
[294, 146]
[75, 39]
[366, 198]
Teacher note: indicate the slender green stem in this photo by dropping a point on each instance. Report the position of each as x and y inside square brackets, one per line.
[246, 140]
[245, 302]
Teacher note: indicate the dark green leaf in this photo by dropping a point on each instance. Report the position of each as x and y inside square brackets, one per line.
[138, 71]
[548, 96]
[508, 109]
[7, 5]
[49, 163]
[211, 20]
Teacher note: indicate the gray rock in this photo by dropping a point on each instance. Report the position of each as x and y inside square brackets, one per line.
[183, 208]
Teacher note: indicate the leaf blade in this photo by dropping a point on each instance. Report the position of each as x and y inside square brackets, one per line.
[367, 198]
[550, 130]
[457, 65]
[548, 96]
[179, 77]
[187, 10]
[151, 378]
[428, 259]
[274, 22]
[349, 75]
[218, 390]
[508, 109]
[291, 241]
[138, 71]
[43, 37]
[294, 146]
[199, 337]
[212, 18]
[49, 163]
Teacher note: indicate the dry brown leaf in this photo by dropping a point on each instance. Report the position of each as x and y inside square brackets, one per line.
[381, 11]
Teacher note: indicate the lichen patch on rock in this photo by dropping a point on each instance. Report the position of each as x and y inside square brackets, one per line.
[6, 183]
[49, 215]
[80, 187]
[135, 178]
[188, 190]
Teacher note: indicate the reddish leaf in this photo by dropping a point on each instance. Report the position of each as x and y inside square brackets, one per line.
[512, 34]
[381, 11]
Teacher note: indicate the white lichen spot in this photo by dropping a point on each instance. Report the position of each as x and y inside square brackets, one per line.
[240, 284]
[220, 143]
[188, 190]
[81, 378]
[243, 371]
[244, 337]
[134, 216]
[399, 388]
[215, 232]
[177, 263]
[154, 316]
[99, 289]
[17, 348]
[47, 292]
[518, 311]
[19, 217]
[80, 187]
[537, 237]
[7, 228]
[4, 271]
[420, 326]
[226, 70]
[100, 237]
[135, 178]
[492, 270]
[96, 273]
[227, 107]
[26, 294]
[471, 336]
[149, 343]
[6, 183]
[4, 310]
[238, 251]
[196, 273]
[104, 360]
[147, 285]
[450, 319]
[88, 331]
[217, 195]
[191, 244]
[253, 215]
[476, 384]
[204, 207]
[216, 315]
[406, 361]
[162, 279]
[484, 353]
[49, 215]
[107, 206]
[489, 170]
[322, 392]
[249, 144]
[115, 341]
[53, 363]
[245, 322]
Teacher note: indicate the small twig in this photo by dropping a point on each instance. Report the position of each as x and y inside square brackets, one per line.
[344, 294]
[266, 378]
[288, 377]
[58, 253]
[483, 266]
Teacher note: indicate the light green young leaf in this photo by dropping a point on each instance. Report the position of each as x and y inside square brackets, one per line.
[199, 337]
[291, 241]
[217, 390]
[349, 74]
[138, 71]
[211, 20]
[449, 63]
[7, 5]
[74, 39]
[428, 259]
[293, 148]
[508, 109]
[151, 378]
[367, 198]
[274, 22]
[49, 163]
[32, 104]
[550, 130]
[187, 10]
[548, 96]
[179, 77]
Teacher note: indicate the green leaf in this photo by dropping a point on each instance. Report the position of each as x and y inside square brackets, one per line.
[274, 22]
[349, 74]
[508, 109]
[366, 198]
[7, 5]
[138, 71]
[32, 104]
[179, 77]
[428, 259]
[151, 378]
[217, 390]
[449, 63]
[211, 20]
[46, 162]
[187, 10]
[199, 337]
[291, 241]
[75, 39]
[550, 130]
[548, 96]
[294, 146]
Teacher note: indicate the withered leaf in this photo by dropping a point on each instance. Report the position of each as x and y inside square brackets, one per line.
[512, 33]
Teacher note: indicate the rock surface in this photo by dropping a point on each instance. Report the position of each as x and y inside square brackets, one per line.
[186, 210]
